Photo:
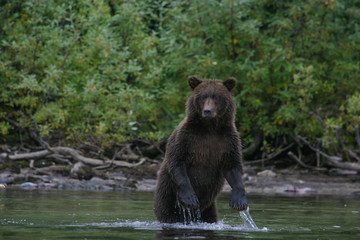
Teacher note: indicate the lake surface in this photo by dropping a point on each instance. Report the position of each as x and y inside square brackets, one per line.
[129, 215]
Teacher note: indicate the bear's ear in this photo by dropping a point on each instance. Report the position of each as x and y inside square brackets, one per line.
[194, 82]
[230, 83]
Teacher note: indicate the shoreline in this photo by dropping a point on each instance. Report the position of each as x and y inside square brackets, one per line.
[285, 182]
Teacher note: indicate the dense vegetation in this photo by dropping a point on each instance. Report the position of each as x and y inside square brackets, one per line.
[111, 71]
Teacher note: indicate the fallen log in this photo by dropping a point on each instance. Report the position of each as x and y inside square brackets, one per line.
[129, 165]
[66, 151]
[354, 155]
[301, 163]
[334, 161]
[77, 157]
[344, 165]
[31, 155]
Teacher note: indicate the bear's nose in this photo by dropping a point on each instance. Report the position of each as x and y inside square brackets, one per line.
[207, 112]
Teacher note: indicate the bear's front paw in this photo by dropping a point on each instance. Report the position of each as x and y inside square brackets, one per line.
[238, 203]
[188, 199]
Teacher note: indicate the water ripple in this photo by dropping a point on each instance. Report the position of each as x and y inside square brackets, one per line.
[219, 226]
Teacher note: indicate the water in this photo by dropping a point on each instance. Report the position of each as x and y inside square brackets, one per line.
[248, 221]
[129, 215]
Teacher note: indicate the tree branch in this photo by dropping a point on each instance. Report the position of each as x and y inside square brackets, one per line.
[39, 154]
[255, 143]
[298, 160]
[333, 160]
[318, 118]
[76, 156]
[354, 155]
[270, 156]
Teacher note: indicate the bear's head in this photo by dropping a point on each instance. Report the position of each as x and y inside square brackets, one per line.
[211, 99]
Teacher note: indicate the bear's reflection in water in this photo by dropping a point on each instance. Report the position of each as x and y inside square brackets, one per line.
[196, 234]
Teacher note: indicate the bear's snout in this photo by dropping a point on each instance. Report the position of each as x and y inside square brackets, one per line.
[209, 109]
[207, 112]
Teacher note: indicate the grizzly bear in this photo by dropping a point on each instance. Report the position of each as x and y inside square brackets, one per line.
[203, 151]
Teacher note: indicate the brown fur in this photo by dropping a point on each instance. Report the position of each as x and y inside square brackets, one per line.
[202, 152]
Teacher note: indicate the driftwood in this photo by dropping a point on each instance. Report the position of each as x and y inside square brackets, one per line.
[301, 163]
[75, 155]
[345, 165]
[338, 160]
[59, 158]
[126, 153]
[334, 161]
[354, 155]
[32, 155]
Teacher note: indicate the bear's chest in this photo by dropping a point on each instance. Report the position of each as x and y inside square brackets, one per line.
[207, 150]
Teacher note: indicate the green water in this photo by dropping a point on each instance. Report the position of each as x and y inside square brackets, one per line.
[129, 215]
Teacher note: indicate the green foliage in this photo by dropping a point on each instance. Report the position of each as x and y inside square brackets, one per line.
[74, 67]
[109, 71]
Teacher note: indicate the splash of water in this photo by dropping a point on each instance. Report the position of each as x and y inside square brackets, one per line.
[247, 219]
[218, 226]
[191, 216]
[192, 220]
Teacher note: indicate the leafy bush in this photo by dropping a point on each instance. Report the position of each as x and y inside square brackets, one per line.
[75, 67]
[110, 71]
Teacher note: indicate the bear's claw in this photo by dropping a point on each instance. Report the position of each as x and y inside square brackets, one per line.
[239, 204]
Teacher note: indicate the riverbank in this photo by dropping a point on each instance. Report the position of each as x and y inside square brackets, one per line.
[283, 182]
[302, 182]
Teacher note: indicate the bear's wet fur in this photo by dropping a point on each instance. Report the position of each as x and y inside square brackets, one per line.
[203, 151]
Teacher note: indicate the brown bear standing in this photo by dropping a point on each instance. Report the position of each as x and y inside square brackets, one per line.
[203, 151]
